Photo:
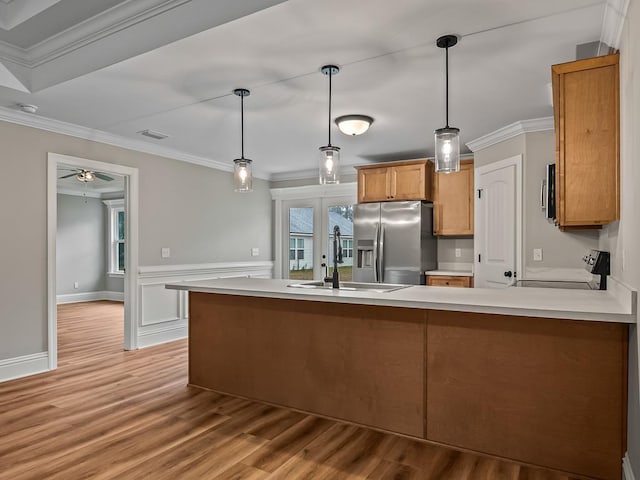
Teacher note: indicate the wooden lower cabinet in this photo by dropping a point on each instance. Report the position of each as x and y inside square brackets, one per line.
[539, 391]
[449, 281]
[543, 392]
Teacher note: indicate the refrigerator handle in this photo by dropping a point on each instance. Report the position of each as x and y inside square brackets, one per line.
[381, 254]
[375, 253]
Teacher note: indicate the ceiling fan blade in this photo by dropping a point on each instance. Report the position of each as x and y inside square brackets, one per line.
[102, 176]
[70, 175]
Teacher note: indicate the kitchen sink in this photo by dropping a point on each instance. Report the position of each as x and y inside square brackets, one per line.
[352, 286]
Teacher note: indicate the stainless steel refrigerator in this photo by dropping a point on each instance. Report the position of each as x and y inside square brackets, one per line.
[393, 242]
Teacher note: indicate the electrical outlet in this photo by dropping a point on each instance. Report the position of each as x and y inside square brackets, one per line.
[76, 285]
[537, 254]
[458, 252]
[255, 251]
[166, 252]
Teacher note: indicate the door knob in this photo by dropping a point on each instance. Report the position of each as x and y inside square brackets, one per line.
[508, 274]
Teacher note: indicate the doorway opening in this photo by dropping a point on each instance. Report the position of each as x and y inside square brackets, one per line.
[92, 243]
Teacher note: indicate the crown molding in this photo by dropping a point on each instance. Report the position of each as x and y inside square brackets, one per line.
[78, 193]
[510, 131]
[615, 11]
[85, 133]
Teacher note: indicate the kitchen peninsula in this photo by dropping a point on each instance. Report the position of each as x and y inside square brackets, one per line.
[532, 375]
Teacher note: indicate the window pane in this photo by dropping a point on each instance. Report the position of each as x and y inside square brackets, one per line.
[121, 225]
[301, 243]
[121, 257]
[342, 216]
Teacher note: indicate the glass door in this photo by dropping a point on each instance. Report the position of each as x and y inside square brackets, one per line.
[300, 257]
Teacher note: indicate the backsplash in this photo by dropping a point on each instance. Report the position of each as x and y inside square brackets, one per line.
[447, 250]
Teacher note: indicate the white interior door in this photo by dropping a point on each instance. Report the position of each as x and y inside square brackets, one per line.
[498, 221]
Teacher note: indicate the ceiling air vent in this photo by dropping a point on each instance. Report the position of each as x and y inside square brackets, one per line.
[152, 134]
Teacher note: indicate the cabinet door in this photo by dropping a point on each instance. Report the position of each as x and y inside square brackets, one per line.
[447, 281]
[409, 182]
[373, 185]
[453, 201]
[587, 122]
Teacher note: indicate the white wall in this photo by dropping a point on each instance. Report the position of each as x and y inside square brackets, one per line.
[623, 238]
[81, 239]
[191, 209]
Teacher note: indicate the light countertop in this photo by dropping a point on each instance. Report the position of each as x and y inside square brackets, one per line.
[614, 305]
[450, 273]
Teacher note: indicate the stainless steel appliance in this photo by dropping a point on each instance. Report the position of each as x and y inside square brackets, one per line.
[548, 192]
[598, 262]
[393, 242]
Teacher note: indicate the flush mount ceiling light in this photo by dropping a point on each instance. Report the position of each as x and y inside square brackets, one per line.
[242, 174]
[27, 108]
[329, 154]
[447, 138]
[354, 124]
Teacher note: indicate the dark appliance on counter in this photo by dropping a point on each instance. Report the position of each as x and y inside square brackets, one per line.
[598, 262]
[393, 242]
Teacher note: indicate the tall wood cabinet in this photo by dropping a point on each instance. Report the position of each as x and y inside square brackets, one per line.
[453, 201]
[406, 180]
[586, 104]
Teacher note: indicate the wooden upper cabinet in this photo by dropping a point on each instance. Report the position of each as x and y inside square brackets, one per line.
[453, 201]
[587, 110]
[407, 180]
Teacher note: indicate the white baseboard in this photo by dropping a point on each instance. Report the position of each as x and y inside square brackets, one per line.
[90, 297]
[627, 471]
[23, 366]
[162, 335]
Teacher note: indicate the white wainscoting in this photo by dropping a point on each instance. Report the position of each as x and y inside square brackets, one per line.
[23, 366]
[89, 297]
[164, 313]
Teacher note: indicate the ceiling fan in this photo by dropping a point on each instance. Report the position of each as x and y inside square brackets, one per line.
[83, 175]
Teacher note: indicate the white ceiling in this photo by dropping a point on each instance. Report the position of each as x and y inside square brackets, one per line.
[390, 69]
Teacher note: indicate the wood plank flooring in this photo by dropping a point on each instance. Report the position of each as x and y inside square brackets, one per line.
[107, 414]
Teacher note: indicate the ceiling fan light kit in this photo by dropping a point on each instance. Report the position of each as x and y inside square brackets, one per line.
[447, 139]
[354, 124]
[329, 160]
[242, 171]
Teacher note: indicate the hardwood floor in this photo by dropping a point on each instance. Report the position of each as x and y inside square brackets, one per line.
[107, 414]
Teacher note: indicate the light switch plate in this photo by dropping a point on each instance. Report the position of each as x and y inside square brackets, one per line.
[537, 254]
[458, 252]
[166, 252]
[76, 285]
[255, 251]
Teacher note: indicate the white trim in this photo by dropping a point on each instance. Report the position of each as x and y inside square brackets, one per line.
[513, 130]
[215, 269]
[79, 193]
[114, 202]
[309, 173]
[78, 131]
[130, 280]
[627, 471]
[517, 161]
[115, 274]
[315, 191]
[615, 11]
[162, 335]
[89, 297]
[25, 365]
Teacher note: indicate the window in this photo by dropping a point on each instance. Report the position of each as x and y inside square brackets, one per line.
[347, 248]
[296, 249]
[116, 232]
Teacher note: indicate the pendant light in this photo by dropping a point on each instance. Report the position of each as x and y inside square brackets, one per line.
[242, 175]
[329, 154]
[447, 138]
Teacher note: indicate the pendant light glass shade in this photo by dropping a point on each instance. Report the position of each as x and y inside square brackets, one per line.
[329, 164]
[242, 171]
[447, 144]
[447, 150]
[242, 175]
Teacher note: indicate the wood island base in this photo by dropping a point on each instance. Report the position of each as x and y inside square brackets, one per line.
[538, 391]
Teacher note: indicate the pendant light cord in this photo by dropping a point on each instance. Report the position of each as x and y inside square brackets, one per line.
[330, 72]
[447, 85]
[242, 126]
